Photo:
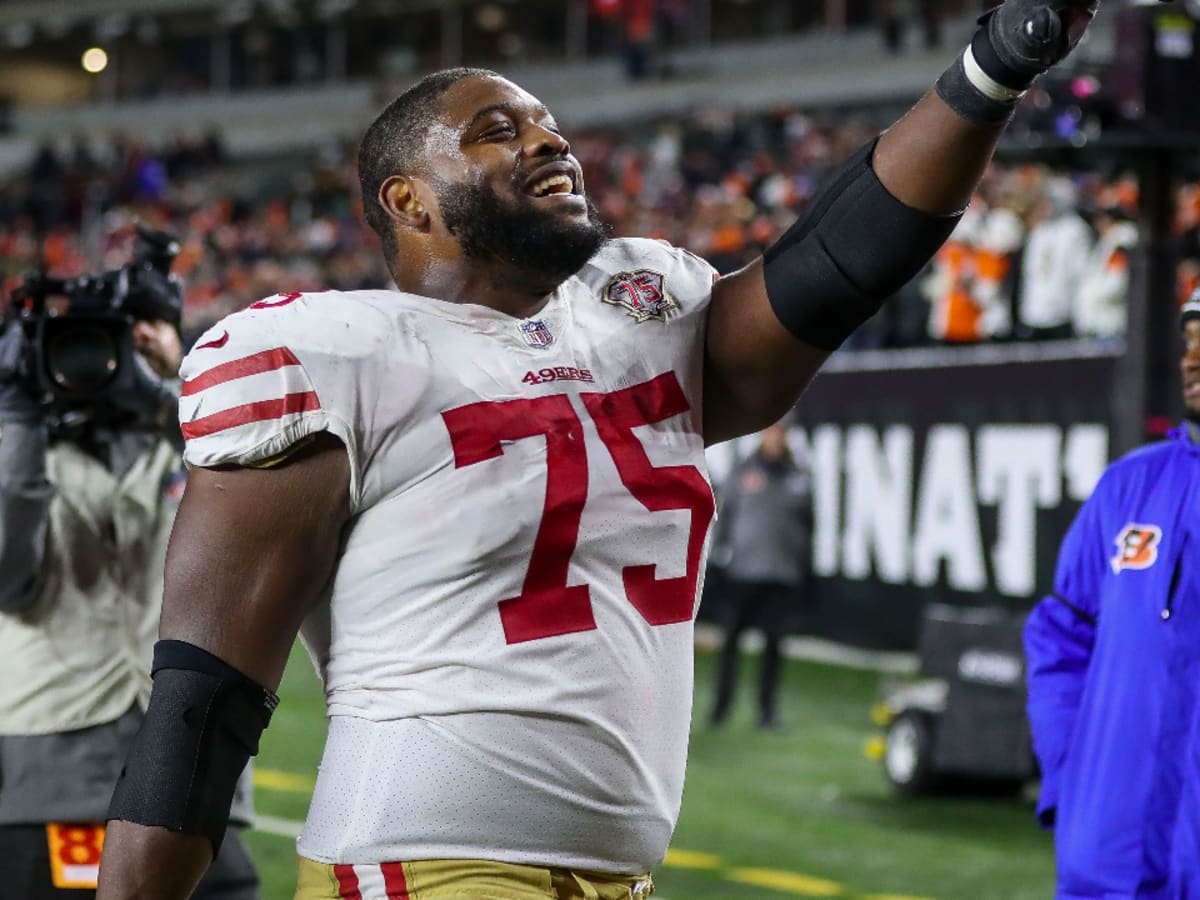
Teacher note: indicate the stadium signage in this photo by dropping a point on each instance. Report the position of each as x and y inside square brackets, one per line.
[949, 476]
[883, 512]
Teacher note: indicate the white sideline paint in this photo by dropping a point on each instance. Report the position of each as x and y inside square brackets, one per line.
[288, 828]
[708, 637]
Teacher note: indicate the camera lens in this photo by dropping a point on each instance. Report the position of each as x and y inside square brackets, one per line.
[82, 358]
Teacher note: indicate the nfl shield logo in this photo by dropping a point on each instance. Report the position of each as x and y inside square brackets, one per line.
[536, 333]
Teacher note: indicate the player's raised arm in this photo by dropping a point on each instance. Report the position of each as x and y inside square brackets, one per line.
[876, 221]
[251, 551]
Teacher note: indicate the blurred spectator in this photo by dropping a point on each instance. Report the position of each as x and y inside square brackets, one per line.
[765, 522]
[1101, 305]
[891, 21]
[996, 255]
[931, 12]
[606, 22]
[1053, 264]
[44, 203]
[1188, 228]
[955, 314]
[637, 18]
[971, 281]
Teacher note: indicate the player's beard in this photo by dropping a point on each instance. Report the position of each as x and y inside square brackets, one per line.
[519, 234]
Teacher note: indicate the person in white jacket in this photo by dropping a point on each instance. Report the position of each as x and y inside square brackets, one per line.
[1053, 266]
[1101, 303]
[85, 514]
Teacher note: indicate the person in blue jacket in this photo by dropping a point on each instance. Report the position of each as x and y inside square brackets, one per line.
[1114, 672]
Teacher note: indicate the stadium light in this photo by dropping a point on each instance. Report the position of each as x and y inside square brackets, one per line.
[94, 60]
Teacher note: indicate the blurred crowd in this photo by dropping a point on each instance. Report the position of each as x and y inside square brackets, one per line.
[1045, 255]
[245, 231]
[1040, 254]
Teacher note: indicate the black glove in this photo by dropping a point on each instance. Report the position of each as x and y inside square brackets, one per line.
[1015, 43]
[17, 404]
[1021, 39]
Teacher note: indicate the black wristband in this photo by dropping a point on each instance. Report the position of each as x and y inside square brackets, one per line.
[961, 95]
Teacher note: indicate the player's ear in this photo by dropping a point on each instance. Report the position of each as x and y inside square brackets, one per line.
[399, 198]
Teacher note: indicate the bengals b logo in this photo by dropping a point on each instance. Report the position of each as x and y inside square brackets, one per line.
[1137, 547]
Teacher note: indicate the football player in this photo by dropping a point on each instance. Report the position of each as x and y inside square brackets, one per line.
[481, 498]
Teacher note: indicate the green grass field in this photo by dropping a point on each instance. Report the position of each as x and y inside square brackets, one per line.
[799, 812]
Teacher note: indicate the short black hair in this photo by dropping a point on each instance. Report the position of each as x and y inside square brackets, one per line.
[394, 144]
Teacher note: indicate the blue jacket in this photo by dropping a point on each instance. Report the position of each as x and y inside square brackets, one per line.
[1114, 684]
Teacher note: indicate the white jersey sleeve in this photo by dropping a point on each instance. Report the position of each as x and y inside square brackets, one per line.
[696, 266]
[263, 379]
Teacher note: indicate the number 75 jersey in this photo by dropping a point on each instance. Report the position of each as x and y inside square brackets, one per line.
[531, 514]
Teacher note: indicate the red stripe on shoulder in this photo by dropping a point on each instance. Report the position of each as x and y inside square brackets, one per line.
[250, 412]
[394, 881]
[347, 882]
[263, 361]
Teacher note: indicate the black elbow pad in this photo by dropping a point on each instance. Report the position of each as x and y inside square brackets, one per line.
[853, 247]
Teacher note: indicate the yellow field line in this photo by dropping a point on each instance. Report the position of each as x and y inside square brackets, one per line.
[778, 880]
[787, 882]
[690, 859]
[274, 780]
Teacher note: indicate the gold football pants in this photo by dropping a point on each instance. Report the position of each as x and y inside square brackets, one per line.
[461, 879]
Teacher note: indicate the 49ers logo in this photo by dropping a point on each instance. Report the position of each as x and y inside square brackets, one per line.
[1137, 547]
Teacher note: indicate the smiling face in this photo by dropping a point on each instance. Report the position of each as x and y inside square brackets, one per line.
[1189, 367]
[506, 184]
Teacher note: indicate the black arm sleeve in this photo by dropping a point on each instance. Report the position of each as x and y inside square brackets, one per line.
[25, 496]
[853, 247]
[203, 725]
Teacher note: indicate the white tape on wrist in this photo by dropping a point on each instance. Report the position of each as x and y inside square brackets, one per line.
[985, 84]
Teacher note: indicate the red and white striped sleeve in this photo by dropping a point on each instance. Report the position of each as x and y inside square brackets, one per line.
[268, 386]
[247, 396]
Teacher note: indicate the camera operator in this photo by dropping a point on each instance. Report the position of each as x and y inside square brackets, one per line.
[88, 494]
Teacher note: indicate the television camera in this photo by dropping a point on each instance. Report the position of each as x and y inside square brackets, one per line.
[79, 359]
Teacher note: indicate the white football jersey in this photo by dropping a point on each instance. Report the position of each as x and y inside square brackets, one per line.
[507, 649]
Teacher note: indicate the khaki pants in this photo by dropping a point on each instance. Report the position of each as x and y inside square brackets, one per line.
[461, 879]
